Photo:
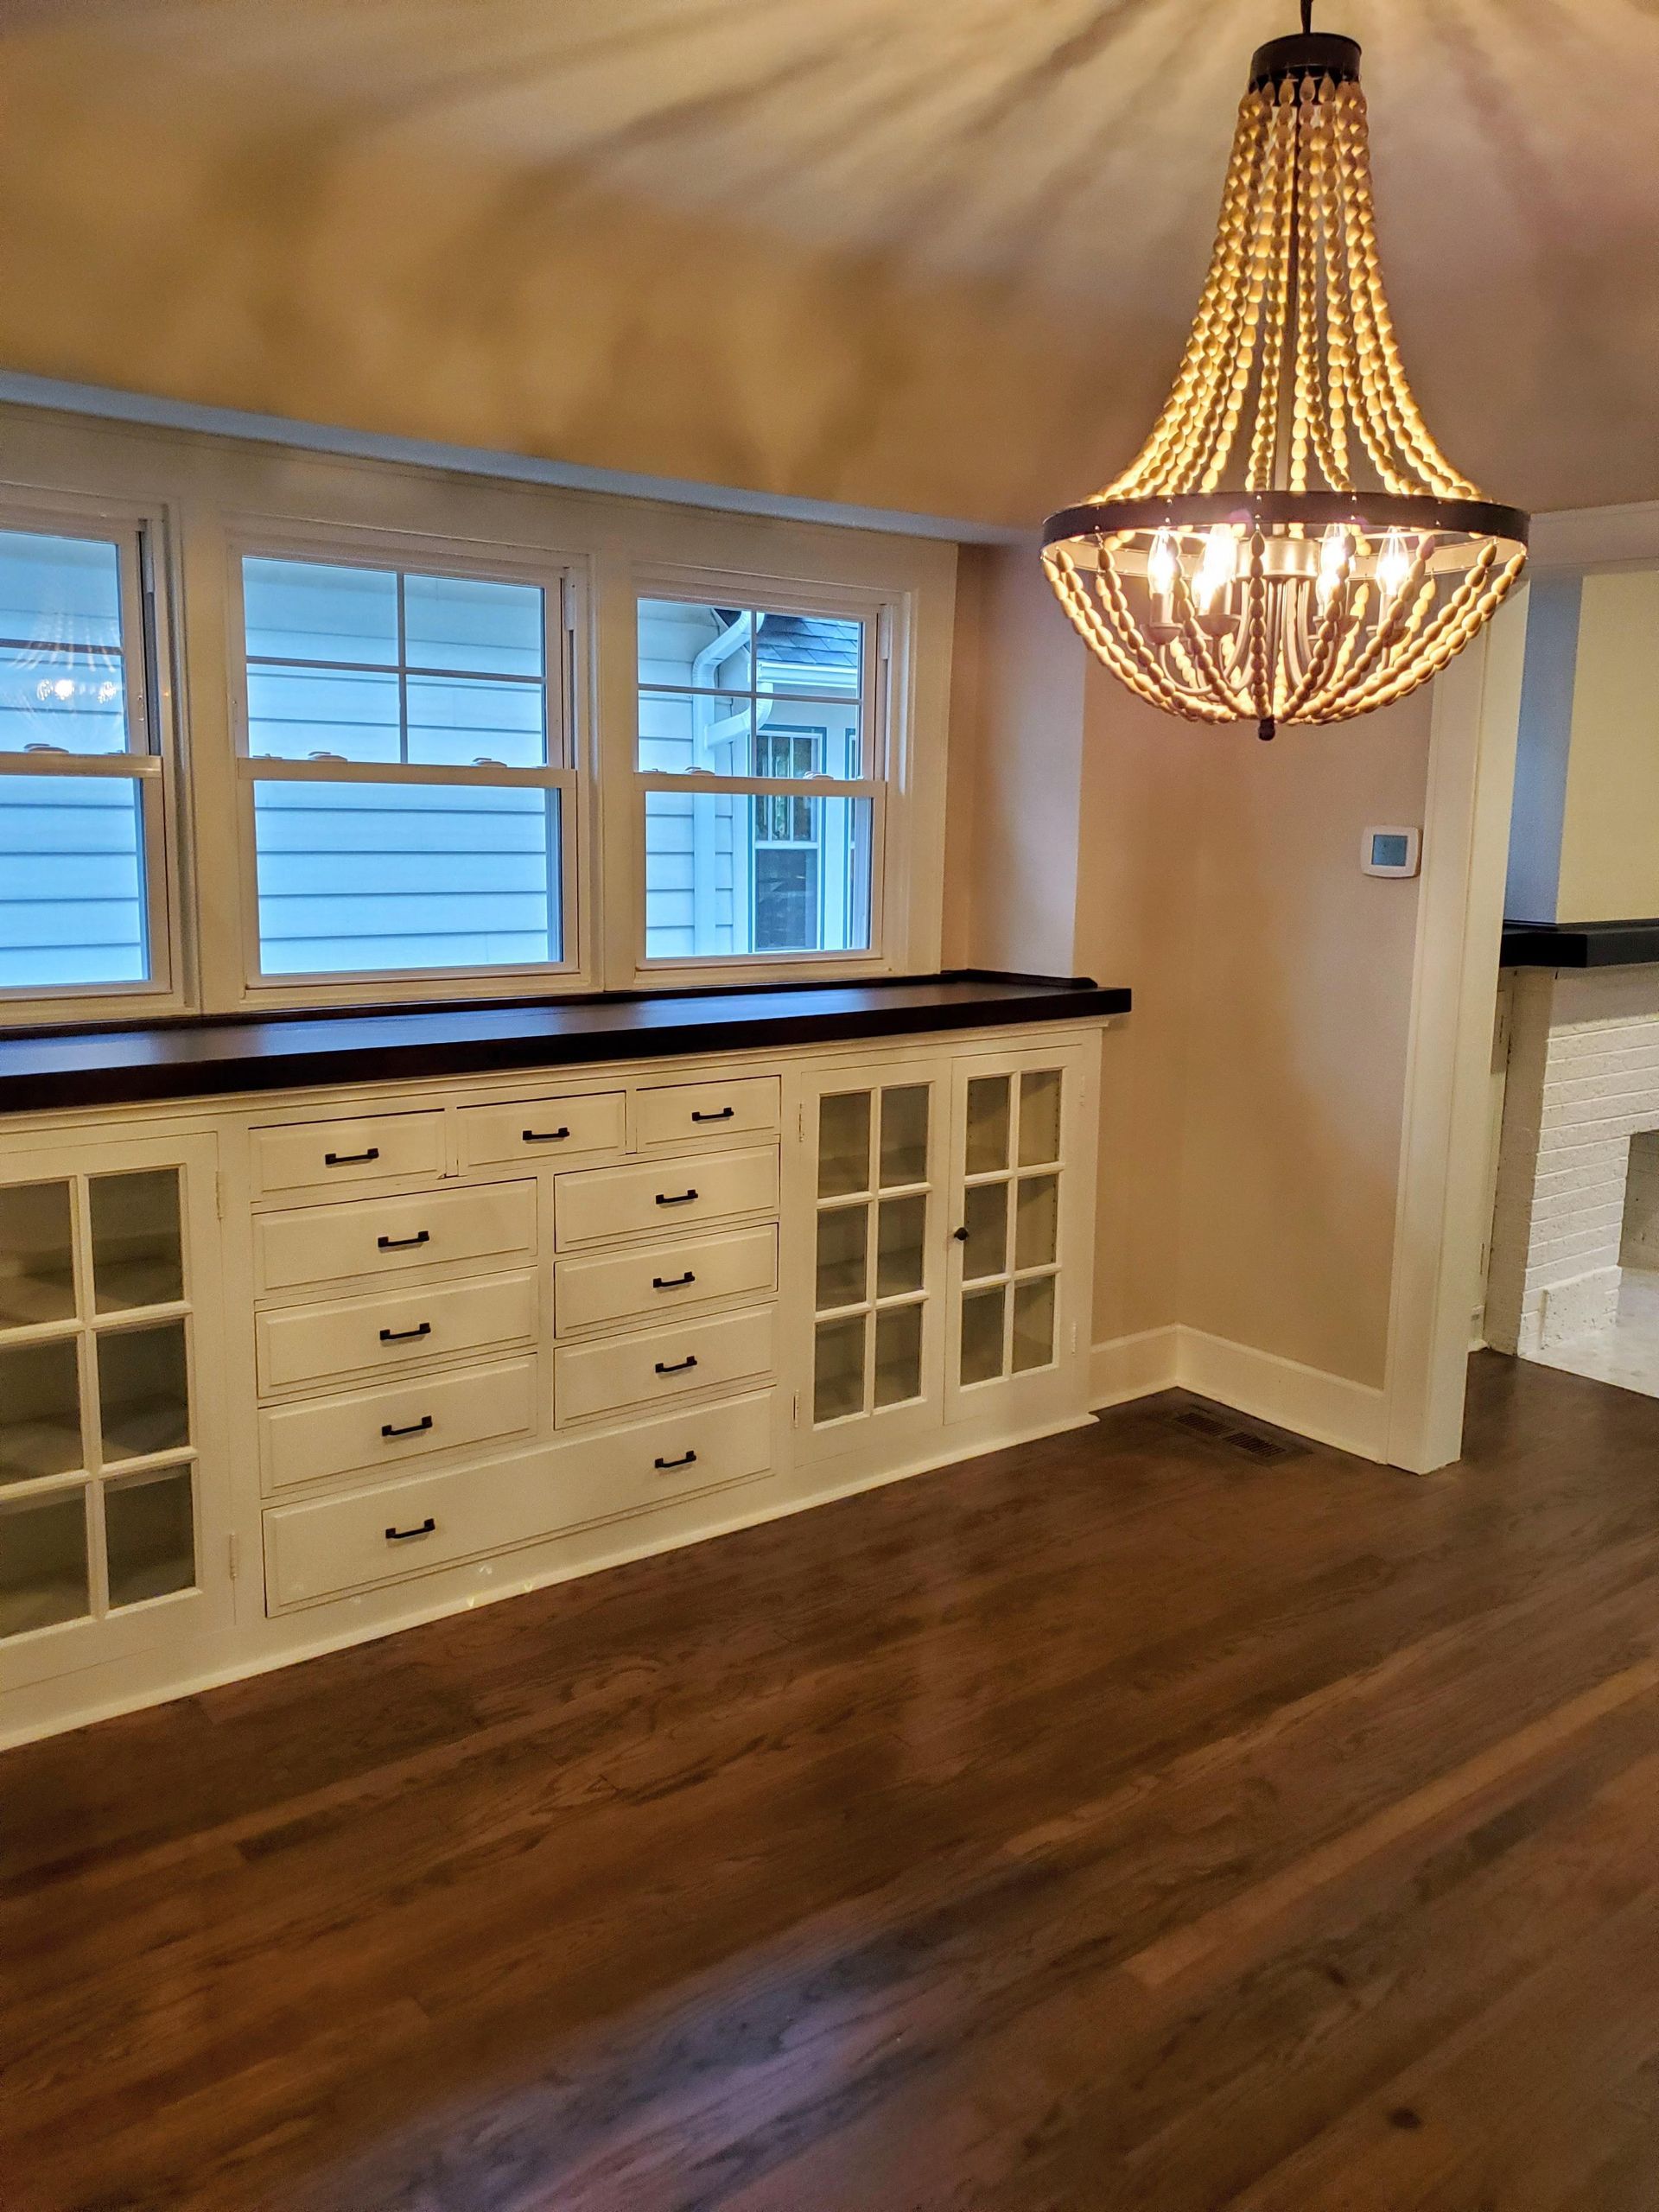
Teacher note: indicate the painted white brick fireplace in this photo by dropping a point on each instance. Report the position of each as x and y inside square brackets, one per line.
[1583, 1083]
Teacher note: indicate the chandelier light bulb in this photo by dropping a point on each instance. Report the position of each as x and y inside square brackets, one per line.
[1335, 551]
[1290, 426]
[1218, 568]
[1394, 565]
[1163, 565]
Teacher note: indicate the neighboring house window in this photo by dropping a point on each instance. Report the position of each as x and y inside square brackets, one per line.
[761, 765]
[83, 851]
[406, 760]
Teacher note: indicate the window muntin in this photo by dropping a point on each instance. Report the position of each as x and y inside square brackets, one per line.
[82, 878]
[411, 809]
[751, 702]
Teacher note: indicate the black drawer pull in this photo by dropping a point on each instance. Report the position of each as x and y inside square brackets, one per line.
[411, 1428]
[428, 1527]
[672, 1282]
[725, 1113]
[405, 1336]
[677, 1366]
[544, 1136]
[349, 1159]
[685, 1459]
[404, 1243]
[684, 1198]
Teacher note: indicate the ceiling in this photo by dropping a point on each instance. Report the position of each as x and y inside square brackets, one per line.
[938, 258]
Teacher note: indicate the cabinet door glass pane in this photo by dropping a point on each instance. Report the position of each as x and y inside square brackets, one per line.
[1033, 1323]
[37, 1266]
[903, 1135]
[1037, 1222]
[844, 1144]
[143, 1390]
[844, 1234]
[897, 1355]
[149, 1536]
[987, 1124]
[39, 1410]
[901, 1244]
[985, 1216]
[43, 1562]
[1039, 1117]
[137, 1249]
[838, 1386]
[982, 1336]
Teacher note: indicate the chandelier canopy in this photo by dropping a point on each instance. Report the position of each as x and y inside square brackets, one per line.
[1349, 560]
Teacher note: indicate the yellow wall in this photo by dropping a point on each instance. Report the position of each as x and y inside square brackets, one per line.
[1609, 823]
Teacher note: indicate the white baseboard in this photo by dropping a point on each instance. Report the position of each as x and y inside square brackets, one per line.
[1328, 1408]
[1133, 1367]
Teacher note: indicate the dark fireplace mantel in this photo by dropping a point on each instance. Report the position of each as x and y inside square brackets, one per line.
[1581, 944]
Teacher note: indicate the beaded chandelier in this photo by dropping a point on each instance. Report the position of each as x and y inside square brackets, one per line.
[1350, 561]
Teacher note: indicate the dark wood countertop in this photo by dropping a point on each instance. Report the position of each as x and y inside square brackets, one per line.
[211, 1056]
[1581, 944]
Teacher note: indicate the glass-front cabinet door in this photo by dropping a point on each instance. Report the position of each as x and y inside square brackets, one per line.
[872, 1145]
[102, 1300]
[1013, 1189]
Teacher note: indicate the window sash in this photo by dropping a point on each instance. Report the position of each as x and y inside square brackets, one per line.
[145, 762]
[562, 772]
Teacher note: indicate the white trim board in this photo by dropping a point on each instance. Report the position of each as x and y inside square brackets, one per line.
[1327, 1409]
[158, 413]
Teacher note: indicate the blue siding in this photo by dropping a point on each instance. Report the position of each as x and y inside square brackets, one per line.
[71, 882]
[377, 877]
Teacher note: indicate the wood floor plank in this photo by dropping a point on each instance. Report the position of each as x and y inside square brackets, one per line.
[1119, 1822]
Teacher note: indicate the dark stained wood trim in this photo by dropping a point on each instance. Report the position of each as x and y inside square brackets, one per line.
[1581, 944]
[201, 1057]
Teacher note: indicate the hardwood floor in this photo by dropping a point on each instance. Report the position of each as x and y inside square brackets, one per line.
[1145, 1819]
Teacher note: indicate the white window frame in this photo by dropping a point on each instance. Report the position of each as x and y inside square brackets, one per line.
[562, 581]
[150, 761]
[887, 782]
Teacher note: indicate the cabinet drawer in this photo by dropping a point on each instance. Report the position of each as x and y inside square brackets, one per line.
[345, 1152]
[681, 1110]
[313, 1343]
[625, 1286]
[538, 1128]
[616, 1376]
[663, 1194]
[327, 1546]
[390, 1237]
[397, 1421]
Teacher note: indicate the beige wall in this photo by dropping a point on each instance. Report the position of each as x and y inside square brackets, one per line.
[1253, 1102]
[1610, 824]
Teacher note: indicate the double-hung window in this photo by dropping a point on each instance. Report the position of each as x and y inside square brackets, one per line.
[83, 853]
[761, 765]
[408, 771]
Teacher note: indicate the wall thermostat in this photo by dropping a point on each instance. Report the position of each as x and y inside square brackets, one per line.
[1390, 852]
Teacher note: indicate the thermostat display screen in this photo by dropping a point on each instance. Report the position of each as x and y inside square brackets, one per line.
[1390, 852]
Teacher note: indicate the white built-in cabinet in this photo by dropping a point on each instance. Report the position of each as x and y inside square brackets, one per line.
[113, 1513]
[286, 1371]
